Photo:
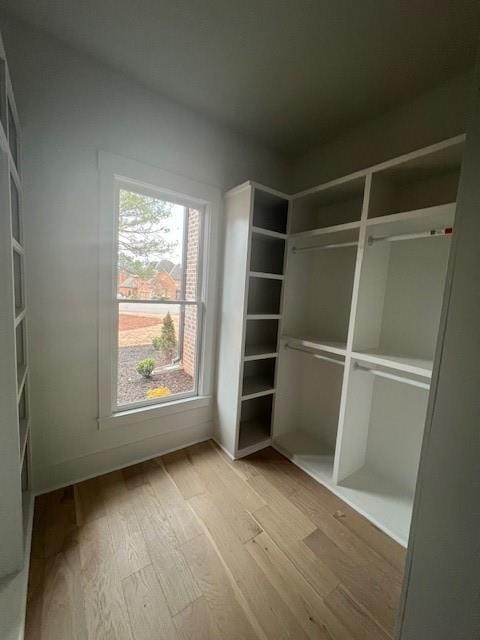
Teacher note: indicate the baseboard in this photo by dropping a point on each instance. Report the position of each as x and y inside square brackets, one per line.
[89, 466]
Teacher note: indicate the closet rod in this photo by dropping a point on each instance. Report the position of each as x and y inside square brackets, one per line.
[392, 376]
[337, 245]
[314, 355]
[447, 231]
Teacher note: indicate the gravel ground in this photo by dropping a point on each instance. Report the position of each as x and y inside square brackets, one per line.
[132, 387]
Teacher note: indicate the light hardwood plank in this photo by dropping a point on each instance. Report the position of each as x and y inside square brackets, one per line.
[278, 527]
[297, 525]
[105, 605]
[381, 602]
[234, 513]
[226, 611]
[195, 622]
[63, 614]
[149, 614]
[173, 573]
[172, 504]
[263, 600]
[306, 605]
[392, 552]
[130, 549]
[354, 547]
[36, 587]
[234, 484]
[89, 503]
[354, 617]
[55, 523]
[179, 467]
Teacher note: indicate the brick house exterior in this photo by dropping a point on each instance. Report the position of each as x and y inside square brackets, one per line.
[190, 325]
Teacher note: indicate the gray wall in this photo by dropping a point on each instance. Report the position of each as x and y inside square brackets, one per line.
[442, 598]
[433, 116]
[70, 107]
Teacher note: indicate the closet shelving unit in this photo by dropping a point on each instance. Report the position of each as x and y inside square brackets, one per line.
[362, 293]
[255, 249]
[17, 501]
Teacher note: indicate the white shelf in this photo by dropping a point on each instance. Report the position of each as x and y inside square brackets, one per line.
[324, 230]
[387, 505]
[256, 387]
[331, 346]
[270, 234]
[263, 316]
[21, 376]
[253, 433]
[307, 452]
[20, 316]
[267, 276]
[260, 352]
[16, 246]
[441, 214]
[24, 428]
[415, 366]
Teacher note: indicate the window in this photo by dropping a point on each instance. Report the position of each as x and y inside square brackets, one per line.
[158, 297]
[158, 253]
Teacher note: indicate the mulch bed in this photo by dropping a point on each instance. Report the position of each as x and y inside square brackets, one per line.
[127, 321]
[132, 387]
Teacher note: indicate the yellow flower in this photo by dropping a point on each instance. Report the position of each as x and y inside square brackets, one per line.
[159, 392]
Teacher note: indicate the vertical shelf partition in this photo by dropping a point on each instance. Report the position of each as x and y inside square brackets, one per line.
[17, 504]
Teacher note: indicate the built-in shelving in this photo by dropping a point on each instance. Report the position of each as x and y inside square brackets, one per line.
[17, 501]
[355, 290]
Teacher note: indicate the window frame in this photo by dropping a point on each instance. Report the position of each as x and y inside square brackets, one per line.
[115, 173]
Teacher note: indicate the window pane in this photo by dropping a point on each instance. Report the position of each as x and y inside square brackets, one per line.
[150, 247]
[156, 351]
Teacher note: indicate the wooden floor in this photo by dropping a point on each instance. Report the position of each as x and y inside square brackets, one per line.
[193, 546]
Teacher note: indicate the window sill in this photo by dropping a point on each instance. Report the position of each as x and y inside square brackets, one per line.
[143, 414]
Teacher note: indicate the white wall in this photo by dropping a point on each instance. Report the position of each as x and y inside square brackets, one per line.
[441, 591]
[71, 107]
[433, 116]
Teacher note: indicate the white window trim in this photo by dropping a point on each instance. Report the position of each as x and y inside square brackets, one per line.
[115, 169]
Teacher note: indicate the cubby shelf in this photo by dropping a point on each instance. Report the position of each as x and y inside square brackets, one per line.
[271, 234]
[21, 376]
[255, 388]
[24, 433]
[267, 276]
[264, 316]
[253, 433]
[259, 352]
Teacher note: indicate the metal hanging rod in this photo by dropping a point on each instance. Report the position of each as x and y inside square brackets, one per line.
[447, 231]
[337, 245]
[392, 376]
[314, 355]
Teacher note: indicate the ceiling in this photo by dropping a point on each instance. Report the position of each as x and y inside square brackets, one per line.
[288, 73]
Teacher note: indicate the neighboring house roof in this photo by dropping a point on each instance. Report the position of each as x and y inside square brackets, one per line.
[130, 283]
[176, 272]
[165, 265]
